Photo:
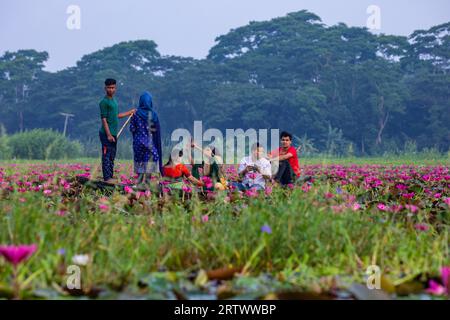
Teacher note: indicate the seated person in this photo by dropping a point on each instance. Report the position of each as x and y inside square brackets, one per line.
[212, 166]
[286, 156]
[175, 171]
[254, 170]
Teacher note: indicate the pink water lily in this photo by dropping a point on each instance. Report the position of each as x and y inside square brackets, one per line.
[396, 208]
[412, 208]
[305, 188]
[251, 193]
[268, 191]
[140, 194]
[439, 289]
[435, 288]
[408, 195]
[329, 195]
[252, 175]
[337, 209]
[207, 181]
[447, 201]
[128, 189]
[61, 213]
[17, 254]
[103, 207]
[421, 227]
[186, 189]
[445, 275]
[401, 187]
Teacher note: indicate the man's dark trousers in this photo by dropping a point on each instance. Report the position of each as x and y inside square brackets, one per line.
[109, 150]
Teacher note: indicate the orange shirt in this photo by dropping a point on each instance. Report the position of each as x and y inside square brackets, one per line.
[177, 171]
[293, 161]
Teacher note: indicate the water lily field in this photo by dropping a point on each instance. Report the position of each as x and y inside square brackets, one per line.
[313, 240]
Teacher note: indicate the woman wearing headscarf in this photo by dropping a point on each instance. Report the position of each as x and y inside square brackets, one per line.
[146, 132]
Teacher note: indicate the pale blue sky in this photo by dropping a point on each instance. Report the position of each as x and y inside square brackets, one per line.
[182, 27]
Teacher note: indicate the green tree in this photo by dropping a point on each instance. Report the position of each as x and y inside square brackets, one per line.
[19, 71]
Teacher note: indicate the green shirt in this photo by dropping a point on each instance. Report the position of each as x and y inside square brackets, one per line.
[109, 109]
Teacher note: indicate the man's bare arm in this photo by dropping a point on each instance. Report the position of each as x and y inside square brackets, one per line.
[126, 114]
[108, 132]
[282, 157]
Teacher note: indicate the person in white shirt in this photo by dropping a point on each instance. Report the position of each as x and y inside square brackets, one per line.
[254, 170]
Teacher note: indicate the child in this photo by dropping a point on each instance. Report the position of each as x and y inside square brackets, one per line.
[146, 140]
[175, 170]
[212, 167]
[109, 114]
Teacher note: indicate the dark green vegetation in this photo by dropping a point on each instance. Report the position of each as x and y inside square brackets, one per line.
[341, 90]
[38, 144]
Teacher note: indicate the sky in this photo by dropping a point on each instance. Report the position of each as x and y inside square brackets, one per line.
[182, 27]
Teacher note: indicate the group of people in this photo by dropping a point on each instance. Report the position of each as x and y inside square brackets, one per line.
[255, 170]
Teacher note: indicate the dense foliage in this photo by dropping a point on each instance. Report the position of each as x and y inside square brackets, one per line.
[42, 145]
[339, 89]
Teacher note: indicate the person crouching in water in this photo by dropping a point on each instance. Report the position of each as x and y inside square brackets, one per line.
[147, 148]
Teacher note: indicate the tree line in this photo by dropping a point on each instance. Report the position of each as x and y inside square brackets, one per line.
[338, 89]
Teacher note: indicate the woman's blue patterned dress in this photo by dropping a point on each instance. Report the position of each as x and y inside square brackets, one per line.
[145, 154]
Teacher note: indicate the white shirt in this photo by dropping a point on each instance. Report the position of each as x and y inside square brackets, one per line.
[252, 178]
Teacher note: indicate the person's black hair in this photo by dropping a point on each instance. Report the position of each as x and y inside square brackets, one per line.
[285, 134]
[256, 146]
[110, 82]
[214, 150]
[180, 154]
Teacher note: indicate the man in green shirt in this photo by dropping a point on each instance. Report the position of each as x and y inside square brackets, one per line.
[109, 114]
